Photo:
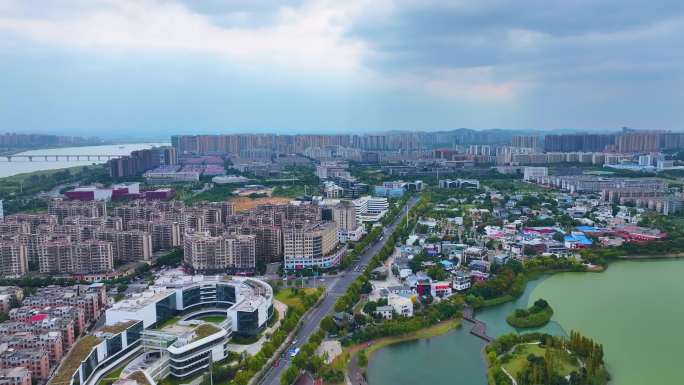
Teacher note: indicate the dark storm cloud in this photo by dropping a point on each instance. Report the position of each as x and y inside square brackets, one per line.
[161, 66]
[547, 37]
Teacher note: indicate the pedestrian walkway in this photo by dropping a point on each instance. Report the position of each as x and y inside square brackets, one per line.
[479, 328]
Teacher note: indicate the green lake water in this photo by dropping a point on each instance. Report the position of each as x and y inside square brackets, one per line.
[634, 309]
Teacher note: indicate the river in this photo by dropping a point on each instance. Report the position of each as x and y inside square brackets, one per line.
[20, 166]
[634, 309]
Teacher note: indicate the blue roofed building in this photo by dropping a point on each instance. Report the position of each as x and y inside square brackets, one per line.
[577, 240]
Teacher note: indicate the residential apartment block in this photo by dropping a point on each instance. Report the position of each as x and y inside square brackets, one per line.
[128, 246]
[206, 253]
[66, 257]
[13, 259]
[308, 245]
[348, 226]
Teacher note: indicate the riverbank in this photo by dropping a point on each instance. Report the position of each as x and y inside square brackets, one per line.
[23, 192]
[456, 350]
[429, 332]
[347, 361]
[651, 257]
[26, 175]
[15, 151]
[608, 318]
[23, 165]
[528, 276]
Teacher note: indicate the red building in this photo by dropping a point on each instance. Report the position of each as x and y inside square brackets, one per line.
[637, 234]
[160, 194]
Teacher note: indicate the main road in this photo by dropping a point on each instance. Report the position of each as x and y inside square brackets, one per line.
[336, 289]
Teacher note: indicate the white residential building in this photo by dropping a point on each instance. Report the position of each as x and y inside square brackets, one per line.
[348, 227]
[460, 281]
[370, 209]
[532, 173]
[384, 312]
[401, 305]
[331, 190]
[441, 289]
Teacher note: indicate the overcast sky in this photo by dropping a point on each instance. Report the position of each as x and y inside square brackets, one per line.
[149, 68]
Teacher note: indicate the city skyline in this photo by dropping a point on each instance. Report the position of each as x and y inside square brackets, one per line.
[146, 69]
[318, 192]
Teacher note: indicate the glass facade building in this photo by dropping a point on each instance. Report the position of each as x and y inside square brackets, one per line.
[166, 308]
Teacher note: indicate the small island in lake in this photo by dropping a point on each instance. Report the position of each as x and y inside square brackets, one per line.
[537, 315]
[535, 358]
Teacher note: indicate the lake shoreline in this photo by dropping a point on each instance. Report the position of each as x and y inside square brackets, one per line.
[607, 326]
[539, 276]
[375, 345]
[644, 257]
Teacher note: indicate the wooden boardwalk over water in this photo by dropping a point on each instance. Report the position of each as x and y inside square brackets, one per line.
[479, 328]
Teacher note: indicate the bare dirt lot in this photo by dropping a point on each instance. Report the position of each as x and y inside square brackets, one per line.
[245, 203]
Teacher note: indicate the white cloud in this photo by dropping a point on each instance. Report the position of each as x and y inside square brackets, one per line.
[310, 37]
[478, 84]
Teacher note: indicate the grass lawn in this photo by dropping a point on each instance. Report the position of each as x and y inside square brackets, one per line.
[217, 319]
[169, 322]
[113, 375]
[292, 191]
[214, 194]
[72, 361]
[118, 327]
[294, 301]
[205, 330]
[518, 359]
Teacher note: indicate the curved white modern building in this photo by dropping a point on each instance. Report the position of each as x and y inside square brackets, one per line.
[170, 312]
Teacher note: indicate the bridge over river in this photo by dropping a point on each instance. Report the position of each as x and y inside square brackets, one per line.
[59, 158]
